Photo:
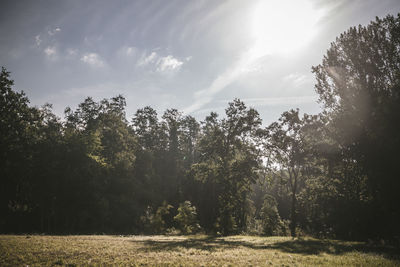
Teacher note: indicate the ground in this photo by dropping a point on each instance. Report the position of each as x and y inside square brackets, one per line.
[38, 250]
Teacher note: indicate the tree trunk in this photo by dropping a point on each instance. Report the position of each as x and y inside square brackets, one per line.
[293, 218]
[293, 215]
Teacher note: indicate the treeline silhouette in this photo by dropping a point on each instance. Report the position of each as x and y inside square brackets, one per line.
[335, 174]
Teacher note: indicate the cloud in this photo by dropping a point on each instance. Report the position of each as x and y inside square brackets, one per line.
[168, 63]
[38, 41]
[50, 51]
[161, 64]
[54, 31]
[93, 60]
[146, 60]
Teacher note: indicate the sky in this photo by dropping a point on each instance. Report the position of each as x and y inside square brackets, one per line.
[195, 56]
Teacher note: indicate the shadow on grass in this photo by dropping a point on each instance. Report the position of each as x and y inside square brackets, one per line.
[296, 246]
[336, 247]
[207, 243]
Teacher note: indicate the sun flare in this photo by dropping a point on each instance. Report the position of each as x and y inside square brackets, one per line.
[282, 26]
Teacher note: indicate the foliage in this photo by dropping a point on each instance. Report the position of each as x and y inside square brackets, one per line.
[161, 217]
[187, 218]
[358, 83]
[19, 133]
[227, 166]
[289, 152]
[271, 220]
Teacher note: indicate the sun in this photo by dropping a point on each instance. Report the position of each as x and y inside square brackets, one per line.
[282, 26]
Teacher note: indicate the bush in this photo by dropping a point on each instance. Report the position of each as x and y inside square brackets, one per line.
[156, 222]
[187, 218]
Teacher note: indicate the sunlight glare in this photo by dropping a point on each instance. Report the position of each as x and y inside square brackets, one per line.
[282, 26]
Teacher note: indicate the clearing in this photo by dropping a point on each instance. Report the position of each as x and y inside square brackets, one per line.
[196, 250]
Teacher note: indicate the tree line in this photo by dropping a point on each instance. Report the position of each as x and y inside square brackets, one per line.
[334, 174]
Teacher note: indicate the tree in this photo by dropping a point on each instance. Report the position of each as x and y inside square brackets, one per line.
[189, 134]
[173, 173]
[100, 184]
[288, 153]
[18, 135]
[358, 83]
[228, 163]
[151, 150]
[145, 125]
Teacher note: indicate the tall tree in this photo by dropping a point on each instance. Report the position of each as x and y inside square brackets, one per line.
[288, 152]
[18, 135]
[358, 83]
[228, 164]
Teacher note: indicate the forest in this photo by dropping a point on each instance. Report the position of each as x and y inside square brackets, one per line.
[333, 174]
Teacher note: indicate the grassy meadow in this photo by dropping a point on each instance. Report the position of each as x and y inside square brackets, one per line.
[197, 250]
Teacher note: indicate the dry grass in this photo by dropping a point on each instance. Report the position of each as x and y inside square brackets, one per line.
[189, 251]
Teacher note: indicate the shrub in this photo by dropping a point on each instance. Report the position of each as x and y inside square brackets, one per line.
[156, 222]
[187, 218]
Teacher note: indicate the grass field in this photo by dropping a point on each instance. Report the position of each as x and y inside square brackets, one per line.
[189, 251]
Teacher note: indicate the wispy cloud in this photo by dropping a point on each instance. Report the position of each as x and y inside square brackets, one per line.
[38, 41]
[54, 31]
[147, 59]
[168, 63]
[47, 40]
[93, 60]
[50, 52]
[161, 64]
